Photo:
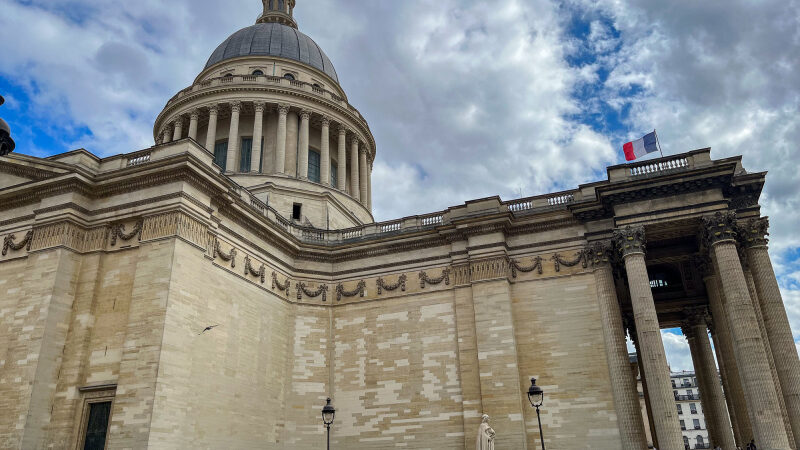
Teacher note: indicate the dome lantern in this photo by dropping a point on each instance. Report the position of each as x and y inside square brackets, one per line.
[278, 11]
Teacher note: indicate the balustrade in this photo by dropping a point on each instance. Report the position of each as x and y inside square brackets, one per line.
[660, 166]
[140, 158]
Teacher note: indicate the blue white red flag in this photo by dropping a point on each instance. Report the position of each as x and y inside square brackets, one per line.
[638, 148]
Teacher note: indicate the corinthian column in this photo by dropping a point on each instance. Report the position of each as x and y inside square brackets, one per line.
[355, 190]
[233, 137]
[341, 160]
[363, 175]
[194, 117]
[178, 129]
[623, 386]
[759, 390]
[167, 134]
[302, 146]
[211, 134]
[325, 152]
[258, 133]
[705, 369]
[776, 322]
[630, 242]
[280, 145]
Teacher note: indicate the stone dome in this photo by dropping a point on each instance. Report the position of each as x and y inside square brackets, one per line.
[274, 39]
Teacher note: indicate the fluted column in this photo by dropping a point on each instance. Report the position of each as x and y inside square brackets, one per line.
[325, 152]
[280, 145]
[776, 322]
[341, 160]
[748, 346]
[650, 425]
[211, 133]
[167, 134]
[302, 146]
[178, 129]
[734, 393]
[194, 117]
[369, 185]
[362, 176]
[623, 386]
[705, 370]
[630, 242]
[233, 138]
[355, 190]
[258, 133]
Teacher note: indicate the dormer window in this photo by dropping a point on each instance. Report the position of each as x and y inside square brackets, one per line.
[289, 77]
[258, 73]
[228, 75]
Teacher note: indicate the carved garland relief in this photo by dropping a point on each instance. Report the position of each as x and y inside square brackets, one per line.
[8, 243]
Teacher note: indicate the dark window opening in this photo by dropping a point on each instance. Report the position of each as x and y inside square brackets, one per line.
[316, 85]
[665, 277]
[258, 73]
[245, 155]
[289, 77]
[97, 426]
[221, 154]
[334, 174]
[313, 166]
[297, 210]
[228, 75]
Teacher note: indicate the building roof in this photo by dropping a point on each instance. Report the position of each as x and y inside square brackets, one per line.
[273, 39]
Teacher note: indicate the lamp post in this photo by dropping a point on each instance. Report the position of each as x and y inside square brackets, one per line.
[328, 413]
[6, 143]
[536, 397]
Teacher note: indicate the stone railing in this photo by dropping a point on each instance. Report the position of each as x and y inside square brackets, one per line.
[659, 166]
[138, 158]
[267, 80]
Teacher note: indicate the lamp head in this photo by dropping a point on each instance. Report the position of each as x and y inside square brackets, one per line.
[535, 394]
[328, 413]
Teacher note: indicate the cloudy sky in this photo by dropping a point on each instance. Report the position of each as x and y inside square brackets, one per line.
[466, 98]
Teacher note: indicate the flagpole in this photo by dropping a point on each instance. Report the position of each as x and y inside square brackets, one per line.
[658, 143]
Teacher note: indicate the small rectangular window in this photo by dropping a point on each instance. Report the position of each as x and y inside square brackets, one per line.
[245, 155]
[97, 426]
[683, 425]
[696, 423]
[313, 166]
[221, 154]
[680, 410]
[297, 210]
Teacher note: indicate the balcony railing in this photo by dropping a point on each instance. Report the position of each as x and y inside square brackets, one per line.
[683, 397]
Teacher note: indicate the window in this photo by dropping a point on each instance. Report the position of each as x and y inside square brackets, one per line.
[683, 425]
[313, 166]
[289, 77]
[97, 426]
[280, 5]
[316, 85]
[686, 443]
[673, 383]
[297, 210]
[334, 174]
[221, 153]
[228, 75]
[693, 407]
[700, 442]
[258, 73]
[245, 155]
[696, 423]
[689, 392]
[680, 409]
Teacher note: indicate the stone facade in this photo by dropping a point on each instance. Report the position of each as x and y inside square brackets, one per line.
[193, 300]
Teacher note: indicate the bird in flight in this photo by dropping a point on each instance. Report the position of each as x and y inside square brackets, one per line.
[209, 328]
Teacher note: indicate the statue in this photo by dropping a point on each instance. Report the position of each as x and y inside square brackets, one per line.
[485, 435]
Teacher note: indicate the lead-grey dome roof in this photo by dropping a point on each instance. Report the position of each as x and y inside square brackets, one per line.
[273, 39]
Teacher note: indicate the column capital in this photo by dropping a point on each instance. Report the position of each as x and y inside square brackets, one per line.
[362, 149]
[305, 114]
[693, 317]
[236, 106]
[194, 114]
[629, 240]
[755, 232]
[178, 121]
[704, 265]
[326, 121]
[283, 109]
[259, 106]
[343, 130]
[600, 253]
[719, 227]
[213, 109]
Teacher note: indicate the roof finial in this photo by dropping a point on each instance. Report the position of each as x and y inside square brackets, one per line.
[280, 11]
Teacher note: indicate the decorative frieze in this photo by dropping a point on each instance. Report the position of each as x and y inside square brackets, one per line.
[401, 284]
[118, 232]
[174, 223]
[360, 290]
[580, 257]
[629, 240]
[489, 269]
[755, 232]
[8, 243]
[284, 287]
[517, 267]
[70, 235]
[425, 279]
[231, 256]
[322, 290]
[719, 227]
[248, 268]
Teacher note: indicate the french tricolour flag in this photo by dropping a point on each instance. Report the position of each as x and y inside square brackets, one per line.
[641, 147]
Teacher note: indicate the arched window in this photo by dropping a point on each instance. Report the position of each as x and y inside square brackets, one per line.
[289, 77]
[686, 443]
[258, 73]
[228, 75]
[317, 85]
[700, 442]
[271, 5]
[280, 5]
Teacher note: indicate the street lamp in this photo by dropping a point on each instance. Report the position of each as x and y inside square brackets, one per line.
[6, 143]
[328, 413]
[536, 397]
